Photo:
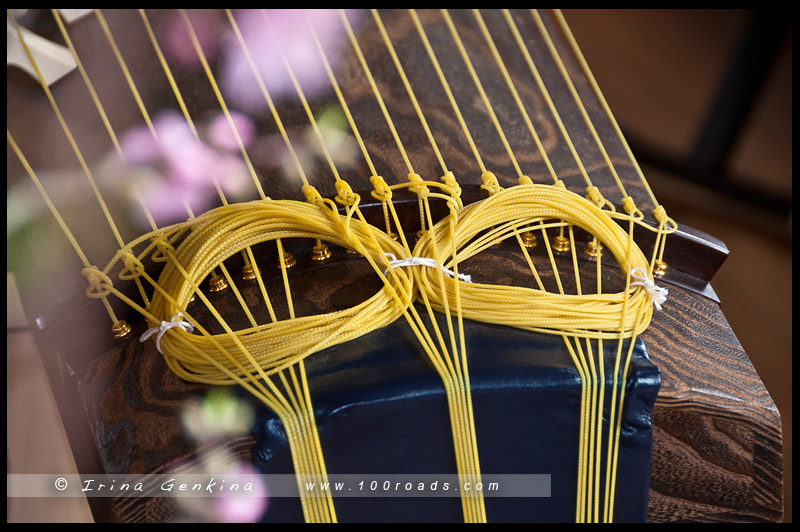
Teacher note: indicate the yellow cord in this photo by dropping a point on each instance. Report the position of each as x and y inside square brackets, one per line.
[267, 359]
[586, 315]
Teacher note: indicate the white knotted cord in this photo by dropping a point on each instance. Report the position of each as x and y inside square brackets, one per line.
[176, 321]
[659, 293]
[394, 262]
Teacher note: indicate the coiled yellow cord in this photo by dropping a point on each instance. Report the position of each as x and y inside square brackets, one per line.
[254, 355]
[224, 232]
[520, 208]
[264, 357]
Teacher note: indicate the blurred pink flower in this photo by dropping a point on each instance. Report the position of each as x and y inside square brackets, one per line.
[177, 44]
[221, 135]
[289, 29]
[183, 168]
[166, 201]
[245, 507]
[231, 491]
[232, 174]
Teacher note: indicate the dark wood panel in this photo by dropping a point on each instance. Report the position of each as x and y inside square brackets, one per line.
[717, 439]
[718, 434]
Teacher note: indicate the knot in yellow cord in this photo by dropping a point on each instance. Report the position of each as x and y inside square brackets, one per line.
[630, 207]
[345, 194]
[99, 283]
[133, 266]
[312, 195]
[382, 191]
[560, 184]
[525, 180]
[660, 214]
[594, 195]
[490, 183]
[450, 180]
[163, 247]
[420, 190]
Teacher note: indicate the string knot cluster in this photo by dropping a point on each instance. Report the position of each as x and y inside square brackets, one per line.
[490, 183]
[450, 180]
[133, 266]
[345, 194]
[417, 187]
[312, 195]
[163, 248]
[100, 284]
[382, 191]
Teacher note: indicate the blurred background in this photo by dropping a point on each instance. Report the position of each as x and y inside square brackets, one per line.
[704, 97]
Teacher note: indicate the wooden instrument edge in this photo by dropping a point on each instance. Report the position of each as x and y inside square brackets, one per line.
[711, 395]
[694, 418]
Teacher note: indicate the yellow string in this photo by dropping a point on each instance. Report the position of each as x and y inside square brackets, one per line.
[167, 71]
[215, 87]
[263, 88]
[342, 102]
[46, 197]
[540, 83]
[658, 212]
[112, 135]
[72, 142]
[146, 117]
[177, 93]
[101, 19]
[582, 108]
[304, 102]
[409, 89]
[88, 271]
[479, 86]
[275, 346]
[87, 81]
[454, 377]
[267, 359]
[446, 86]
[373, 85]
[539, 311]
[514, 92]
[536, 310]
[601, 98]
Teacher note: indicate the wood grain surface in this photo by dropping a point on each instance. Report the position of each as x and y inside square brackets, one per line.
[717, 445]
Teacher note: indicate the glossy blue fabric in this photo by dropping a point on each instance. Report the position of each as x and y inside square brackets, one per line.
[381, 409]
